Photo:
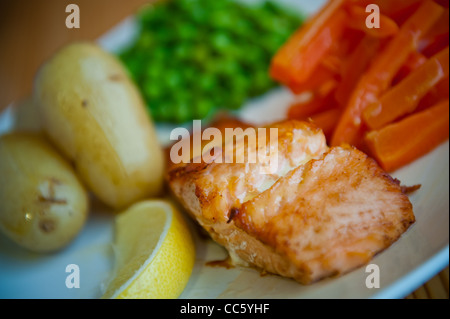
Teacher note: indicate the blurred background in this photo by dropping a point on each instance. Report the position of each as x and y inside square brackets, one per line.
[31, 31]
[190, 59]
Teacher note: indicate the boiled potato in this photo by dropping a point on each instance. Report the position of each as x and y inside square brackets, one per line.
[43, 204]
[95, 115]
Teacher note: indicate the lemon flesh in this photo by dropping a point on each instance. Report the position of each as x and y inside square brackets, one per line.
[154, 252]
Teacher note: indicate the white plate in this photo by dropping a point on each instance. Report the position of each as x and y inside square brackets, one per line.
[417, 256]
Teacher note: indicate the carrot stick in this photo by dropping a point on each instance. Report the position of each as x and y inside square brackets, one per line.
[414, 61]
[330, 67]
[401, 10]
[357, 20]
[297, 59]
[437, 38]
[438, 93]
[438, 43]
[442, 88]
[405, 97]
[355, 66]
[307, 60]
[443, 3]
[321, 75]
[401, 143]
[301, 111]
[381, 72]
[327, 120]
[398, 10]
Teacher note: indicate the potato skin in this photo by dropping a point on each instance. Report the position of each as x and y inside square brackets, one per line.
[95, 115]
[43, 204]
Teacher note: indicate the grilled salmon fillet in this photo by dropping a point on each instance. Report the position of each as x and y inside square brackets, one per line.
[322, 212]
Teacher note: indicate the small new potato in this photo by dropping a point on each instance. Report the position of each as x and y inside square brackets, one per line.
[95, 115]
[43, 204]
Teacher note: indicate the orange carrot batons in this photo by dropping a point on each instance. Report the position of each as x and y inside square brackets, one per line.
[403, 98]
[400, 143]
[382, 71]
[299, 56]
[358, 20]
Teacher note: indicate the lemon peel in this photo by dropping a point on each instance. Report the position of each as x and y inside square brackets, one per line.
[154, 252]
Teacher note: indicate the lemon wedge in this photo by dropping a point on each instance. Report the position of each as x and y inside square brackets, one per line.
[154, 252]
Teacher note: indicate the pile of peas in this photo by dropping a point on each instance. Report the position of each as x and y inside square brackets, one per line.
[194, 57]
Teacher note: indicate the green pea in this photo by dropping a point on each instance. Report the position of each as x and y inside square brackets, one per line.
[207, 82]
[221, 41]
[152, 90]
[183, 112]
[187, 32]
[222, 20]
[192, 57]
[202, 108]
[189, 73]
[173, 79]
[201, 53]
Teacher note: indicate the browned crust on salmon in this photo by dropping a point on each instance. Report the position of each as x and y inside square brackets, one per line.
[322, 218]
[343, 210]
